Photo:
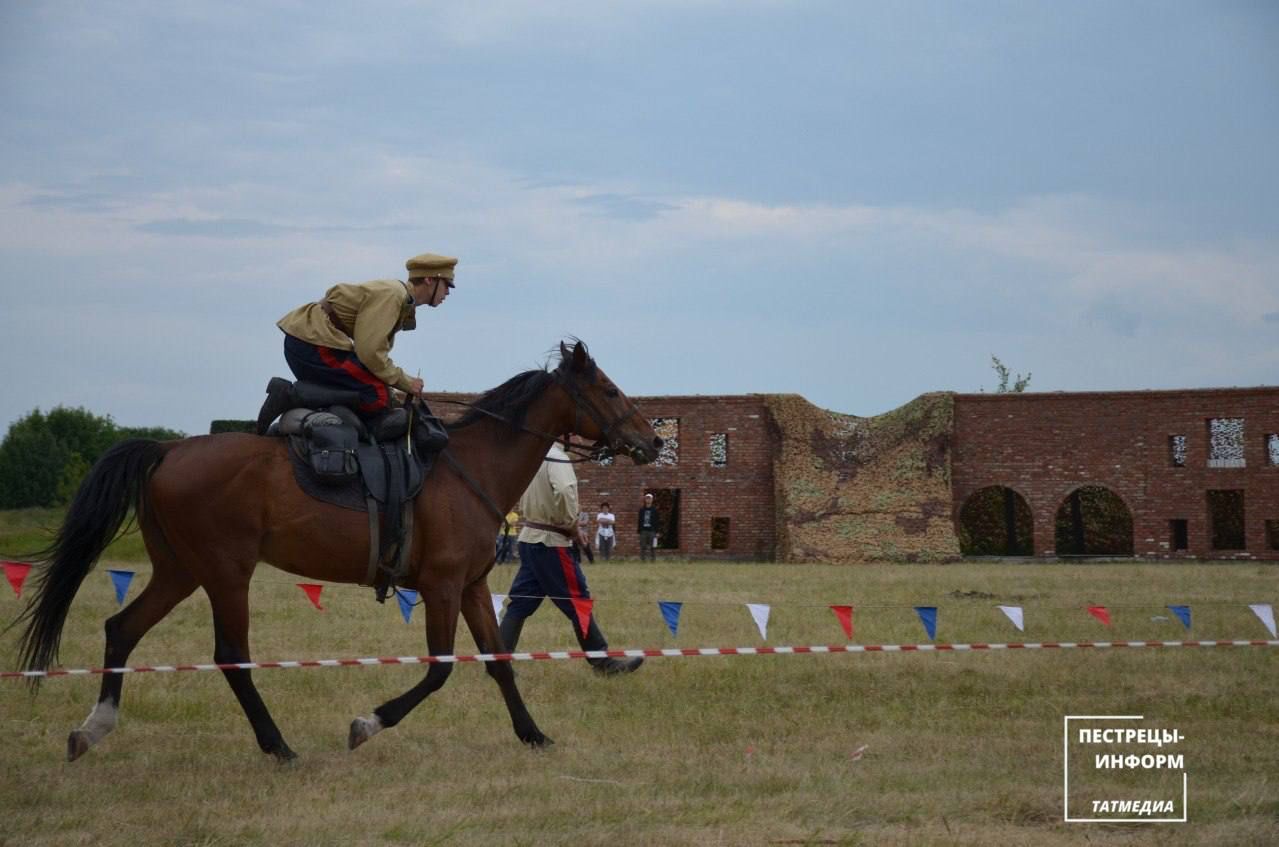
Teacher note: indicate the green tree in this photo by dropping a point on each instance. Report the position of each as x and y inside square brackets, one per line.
[31, 465]
[155, 433]
[1019, 384]
[44, 457]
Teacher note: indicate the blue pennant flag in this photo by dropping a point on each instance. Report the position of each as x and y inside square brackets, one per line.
[407, 598]
[928, 617]
[1182, 613]
[670, 613]
[121, 580]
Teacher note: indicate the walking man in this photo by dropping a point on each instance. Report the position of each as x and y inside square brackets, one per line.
[549, 510]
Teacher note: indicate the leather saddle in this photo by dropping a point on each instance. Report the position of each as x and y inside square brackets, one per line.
[372, 467]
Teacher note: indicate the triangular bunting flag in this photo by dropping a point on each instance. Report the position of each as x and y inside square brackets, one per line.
[16, 573]
[1267, 614]
[928, 617]
[1101, 613]
[1182, 613]
[583, 605]
[497, 606]
[120, 579]
[1015, 615]
[670, 614]
[408, 599]
[760, 612]
[313, 593]
[845, 615]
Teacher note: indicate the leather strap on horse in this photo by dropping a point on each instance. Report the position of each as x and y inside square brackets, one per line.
[475, 486]
[374, 575]
[371, 576]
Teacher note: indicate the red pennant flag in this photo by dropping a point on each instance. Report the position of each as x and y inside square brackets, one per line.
[16, 573]
[1100, 613]
[313, 593]
[583, 605]
[845, 615]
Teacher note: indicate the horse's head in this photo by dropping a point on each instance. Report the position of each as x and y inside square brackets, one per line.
[602, 412]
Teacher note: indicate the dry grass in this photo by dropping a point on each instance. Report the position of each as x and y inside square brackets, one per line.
[961, 748]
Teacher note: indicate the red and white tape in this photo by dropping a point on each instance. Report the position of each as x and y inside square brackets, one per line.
[650, 653]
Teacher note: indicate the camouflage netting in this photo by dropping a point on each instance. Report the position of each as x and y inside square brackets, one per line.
[864, 488]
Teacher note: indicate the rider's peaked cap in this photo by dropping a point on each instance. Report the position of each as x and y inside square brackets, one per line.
[430, 264]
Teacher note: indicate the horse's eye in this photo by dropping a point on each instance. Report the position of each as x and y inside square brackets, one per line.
[611, 392]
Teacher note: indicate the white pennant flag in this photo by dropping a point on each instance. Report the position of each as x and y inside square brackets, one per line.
[759, 612]
[1267, 614]
[1015, 615]
[497, 605]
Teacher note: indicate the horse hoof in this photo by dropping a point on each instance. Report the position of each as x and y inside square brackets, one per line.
[77, 744]
[538, 741]
[284, 756]
[362, 729]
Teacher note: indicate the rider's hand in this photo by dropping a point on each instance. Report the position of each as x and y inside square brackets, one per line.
[416, 387]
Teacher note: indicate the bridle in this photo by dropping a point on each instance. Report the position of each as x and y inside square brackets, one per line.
[581, 404]
[585, 454]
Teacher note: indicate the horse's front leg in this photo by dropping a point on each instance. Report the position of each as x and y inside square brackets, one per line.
[477, 609]
[442, 603]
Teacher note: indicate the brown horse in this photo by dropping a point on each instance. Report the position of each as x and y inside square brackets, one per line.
[210, 508]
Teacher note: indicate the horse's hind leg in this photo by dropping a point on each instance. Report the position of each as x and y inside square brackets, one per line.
[231, 646]
[441, 628]
[477, 609]
[168, 587]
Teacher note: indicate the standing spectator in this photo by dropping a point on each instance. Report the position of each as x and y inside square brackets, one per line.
[604, 530]
[506, 537]
[584, 537]
[549, 507]
[648, 529]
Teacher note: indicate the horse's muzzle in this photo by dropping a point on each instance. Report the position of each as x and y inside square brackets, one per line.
[642, 454]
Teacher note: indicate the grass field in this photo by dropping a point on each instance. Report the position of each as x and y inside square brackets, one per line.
[960, 749]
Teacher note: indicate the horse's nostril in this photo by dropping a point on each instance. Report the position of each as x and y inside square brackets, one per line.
[657, 443]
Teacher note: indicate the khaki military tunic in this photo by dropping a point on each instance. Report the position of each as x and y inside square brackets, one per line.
[551, 498]
[373, 311]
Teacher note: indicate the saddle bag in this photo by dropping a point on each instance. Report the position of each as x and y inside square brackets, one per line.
[429, 434]
[331, 448]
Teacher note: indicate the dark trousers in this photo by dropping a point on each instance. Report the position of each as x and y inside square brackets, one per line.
[648, 550]
[339, 369]
[546, 572]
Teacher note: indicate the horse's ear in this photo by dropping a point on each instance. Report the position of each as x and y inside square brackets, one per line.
[563, 351]
[580, 359]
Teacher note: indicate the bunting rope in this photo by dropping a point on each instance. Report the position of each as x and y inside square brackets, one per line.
[648, 653]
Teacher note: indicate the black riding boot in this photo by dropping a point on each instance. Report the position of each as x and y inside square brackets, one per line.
[279, 399]
[607, 665]
[510, 629]
[282, 395]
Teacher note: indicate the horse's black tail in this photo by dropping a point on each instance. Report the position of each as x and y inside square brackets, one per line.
[114, 485]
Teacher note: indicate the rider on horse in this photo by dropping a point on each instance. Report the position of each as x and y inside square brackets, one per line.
[341, 345]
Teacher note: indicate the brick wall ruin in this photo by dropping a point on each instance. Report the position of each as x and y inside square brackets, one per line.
[1158, 474]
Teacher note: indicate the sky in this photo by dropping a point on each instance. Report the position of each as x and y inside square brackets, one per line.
[858, 202]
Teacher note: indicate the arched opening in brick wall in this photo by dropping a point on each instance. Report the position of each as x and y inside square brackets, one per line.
[996, 521]
[1093, 521]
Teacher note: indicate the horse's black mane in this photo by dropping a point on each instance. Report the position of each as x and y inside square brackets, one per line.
[511, 399]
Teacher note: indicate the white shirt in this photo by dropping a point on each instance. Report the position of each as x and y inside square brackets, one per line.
[551, 498]
[605, 520]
